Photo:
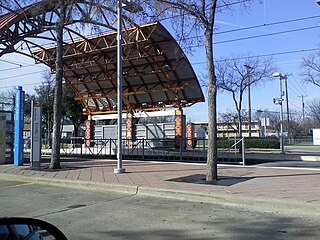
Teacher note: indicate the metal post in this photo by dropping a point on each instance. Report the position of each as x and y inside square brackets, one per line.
[265, 126]
[287, 103]
[143, 148]
[119, 168]
[110, 146]
[249, 106]
[281, 117]
[243, 154]
[82, 141]
[180, 149]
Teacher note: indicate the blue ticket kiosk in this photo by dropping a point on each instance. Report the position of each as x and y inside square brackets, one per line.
[18, 127]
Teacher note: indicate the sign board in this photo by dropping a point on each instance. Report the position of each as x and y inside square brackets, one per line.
[265, 122]
[36, 135]
[140, 114]
[316, 136]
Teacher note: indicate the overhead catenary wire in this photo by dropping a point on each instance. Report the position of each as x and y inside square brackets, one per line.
[23, 66]
[247, 28]
[26, 84]
[20, 75]
[232, 40]
[216, 61]
[10, 62]
[266, 35]
[266, 25]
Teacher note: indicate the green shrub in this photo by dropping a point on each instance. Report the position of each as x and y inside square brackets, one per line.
[252, 143]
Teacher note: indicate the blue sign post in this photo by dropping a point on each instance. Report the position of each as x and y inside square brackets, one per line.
[18, 127]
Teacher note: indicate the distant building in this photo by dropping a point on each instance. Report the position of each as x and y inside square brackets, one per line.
[26, 131]
[68, 131]
[228, 130]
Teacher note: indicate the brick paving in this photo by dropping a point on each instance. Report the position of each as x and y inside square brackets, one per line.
[291, 184]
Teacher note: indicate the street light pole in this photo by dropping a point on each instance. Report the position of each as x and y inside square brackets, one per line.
[119, 168]
[281, 115]
[134, 8]
[279, 101]
[287, 103]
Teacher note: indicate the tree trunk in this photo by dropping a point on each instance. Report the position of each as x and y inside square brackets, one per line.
[76, 126]
[239, 123]
[212, 171]
[55, 156]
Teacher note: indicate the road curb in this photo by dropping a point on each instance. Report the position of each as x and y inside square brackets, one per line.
[72, 183]
[251, 203]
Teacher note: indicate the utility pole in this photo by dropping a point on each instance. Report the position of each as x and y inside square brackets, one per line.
[302, 102]
[287, 103]
[249, 68]
[279, 101]
[133, 8]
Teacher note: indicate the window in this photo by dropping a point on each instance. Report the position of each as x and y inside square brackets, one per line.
[4, 232]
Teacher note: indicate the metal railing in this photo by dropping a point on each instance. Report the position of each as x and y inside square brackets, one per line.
[182, 149]
[231, 154]
[302, 141]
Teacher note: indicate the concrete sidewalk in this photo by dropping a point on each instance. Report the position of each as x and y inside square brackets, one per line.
[236, 182]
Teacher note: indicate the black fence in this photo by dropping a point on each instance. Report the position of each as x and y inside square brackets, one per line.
[151, 149]
[168, 149]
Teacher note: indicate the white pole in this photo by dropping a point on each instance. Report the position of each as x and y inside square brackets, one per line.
[119, 168]
[243, 154]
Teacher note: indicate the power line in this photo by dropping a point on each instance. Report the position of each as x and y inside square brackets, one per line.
[303, 105]
[20, 75]
[245, 28]
[272, 54]
[262, 55]
[260, 26]
[294, 90]
[297, 84]
[228, 59]
[250, 27]
[266, 35]
[266, 25]
[26, 84]
[23, 66]
[180, 15]
[11, 62]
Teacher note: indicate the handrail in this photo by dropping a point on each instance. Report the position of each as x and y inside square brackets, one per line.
[242, 148]
[235, 144]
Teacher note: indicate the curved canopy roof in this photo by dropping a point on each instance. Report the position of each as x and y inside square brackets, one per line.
[156, 72]
[28, 24]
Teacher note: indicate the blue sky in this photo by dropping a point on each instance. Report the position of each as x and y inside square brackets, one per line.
[267, 12]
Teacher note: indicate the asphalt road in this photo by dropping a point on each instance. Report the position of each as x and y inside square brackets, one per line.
[84, 214]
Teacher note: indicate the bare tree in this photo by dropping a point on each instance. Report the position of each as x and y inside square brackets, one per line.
[313, 110]
[67, 12]
[7, 99]
[197, 19]
[45, 93]
[57, 115]
[311, 69]
[231, 118]
[233, 77]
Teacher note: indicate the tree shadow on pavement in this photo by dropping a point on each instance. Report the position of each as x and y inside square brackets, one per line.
[261, 227]
[201, 179]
